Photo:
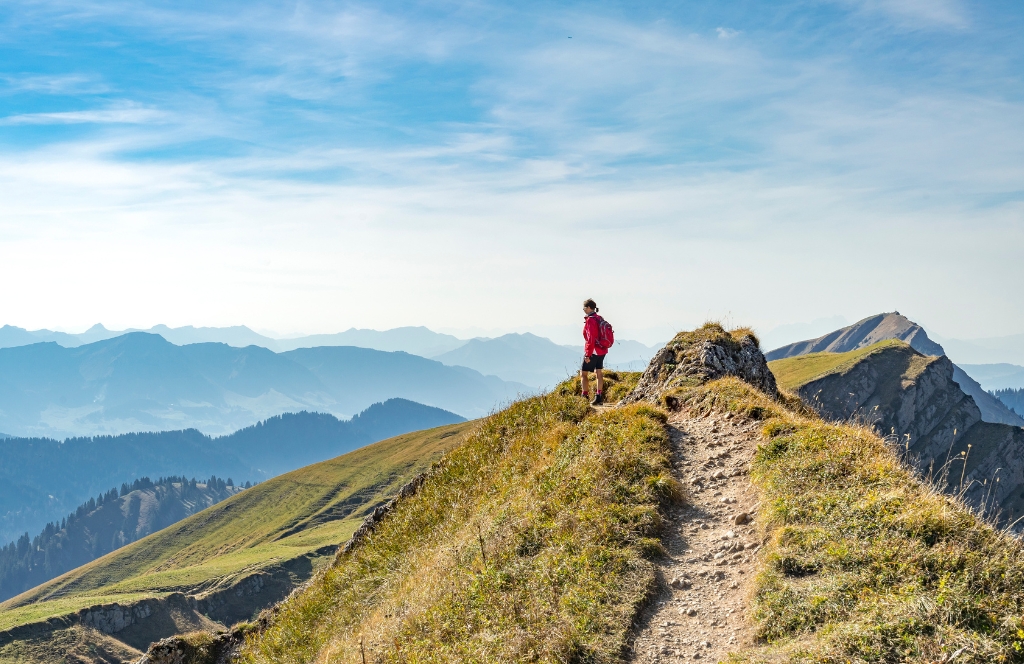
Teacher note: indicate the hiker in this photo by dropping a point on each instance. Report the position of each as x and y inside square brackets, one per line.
[597, 339]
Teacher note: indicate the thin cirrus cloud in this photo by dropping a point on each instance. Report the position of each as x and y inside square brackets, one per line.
[64, 84]
[921, 14]
[364, 154]
[119, 115]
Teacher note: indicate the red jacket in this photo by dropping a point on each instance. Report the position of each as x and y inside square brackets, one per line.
[590, 346]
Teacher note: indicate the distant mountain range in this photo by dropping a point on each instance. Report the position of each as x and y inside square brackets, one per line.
[992, 350]
[893, 325]
[43, 479]
[528, 359]
[142, 382]
[537, 361]
[1014, 399]
[997, 376]
[414, 340]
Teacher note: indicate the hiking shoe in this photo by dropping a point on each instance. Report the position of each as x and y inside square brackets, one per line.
[598, 400]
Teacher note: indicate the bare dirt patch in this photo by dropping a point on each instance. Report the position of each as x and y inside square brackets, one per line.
[700, 612]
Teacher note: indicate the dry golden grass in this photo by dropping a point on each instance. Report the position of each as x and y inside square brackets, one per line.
[529, 542]
[617, 384]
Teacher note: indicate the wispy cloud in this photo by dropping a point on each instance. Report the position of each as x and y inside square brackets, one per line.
[445, 156]
[62, 84]
[919, 14]
[123, 114]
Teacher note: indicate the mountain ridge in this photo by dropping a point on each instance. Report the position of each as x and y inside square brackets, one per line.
[142, 382]
[112, 520]
[894, 325]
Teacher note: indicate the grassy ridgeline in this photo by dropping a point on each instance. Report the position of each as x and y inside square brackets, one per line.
[795, 372]
[527, 543]
[864, 562]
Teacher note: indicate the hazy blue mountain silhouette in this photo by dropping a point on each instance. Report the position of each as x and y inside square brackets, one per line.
[142, 382]
[41, 479]
[538, 361]
[1000, 376]
[354, 375]
[524, 358]
[416, 340]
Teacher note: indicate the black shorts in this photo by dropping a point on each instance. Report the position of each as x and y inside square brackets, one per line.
[593, 363]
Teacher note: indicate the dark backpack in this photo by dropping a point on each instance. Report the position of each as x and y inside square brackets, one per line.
[605, 334]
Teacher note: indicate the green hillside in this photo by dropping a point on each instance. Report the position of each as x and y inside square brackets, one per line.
[282, 519]
[794, 372]
[530, 542]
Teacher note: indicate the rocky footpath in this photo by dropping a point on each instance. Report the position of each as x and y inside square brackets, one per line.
[700, 611]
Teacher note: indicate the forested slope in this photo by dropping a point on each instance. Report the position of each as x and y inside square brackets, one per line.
[105, 523]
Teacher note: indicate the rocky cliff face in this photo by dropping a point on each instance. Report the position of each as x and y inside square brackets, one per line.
[140, 624]
[894, 325]
[692, 358]
[915, 401]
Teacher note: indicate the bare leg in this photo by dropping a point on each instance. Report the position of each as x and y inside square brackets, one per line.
[600, 381]
[585, 379]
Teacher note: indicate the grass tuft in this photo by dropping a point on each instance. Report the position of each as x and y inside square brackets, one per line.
[529, 542]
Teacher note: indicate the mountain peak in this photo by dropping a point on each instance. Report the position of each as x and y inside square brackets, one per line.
[863, 333]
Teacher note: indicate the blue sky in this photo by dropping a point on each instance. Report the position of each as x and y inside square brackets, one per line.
[314, 166]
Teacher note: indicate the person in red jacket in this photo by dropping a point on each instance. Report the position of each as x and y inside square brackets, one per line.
[593, 354]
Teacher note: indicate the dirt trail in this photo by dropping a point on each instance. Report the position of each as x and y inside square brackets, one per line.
[700, 612]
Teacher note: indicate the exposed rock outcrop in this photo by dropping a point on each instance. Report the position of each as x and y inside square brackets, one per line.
[142, 623]
[708, 353]
[899, 392]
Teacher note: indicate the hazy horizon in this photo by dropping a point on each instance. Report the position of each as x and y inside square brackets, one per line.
[568, 334]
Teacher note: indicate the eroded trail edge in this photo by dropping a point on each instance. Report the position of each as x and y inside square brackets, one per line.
[701, 610]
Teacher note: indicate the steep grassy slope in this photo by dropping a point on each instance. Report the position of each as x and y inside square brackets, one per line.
[284, 519]
[792, 373]
[527, 543]
[530, 543]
